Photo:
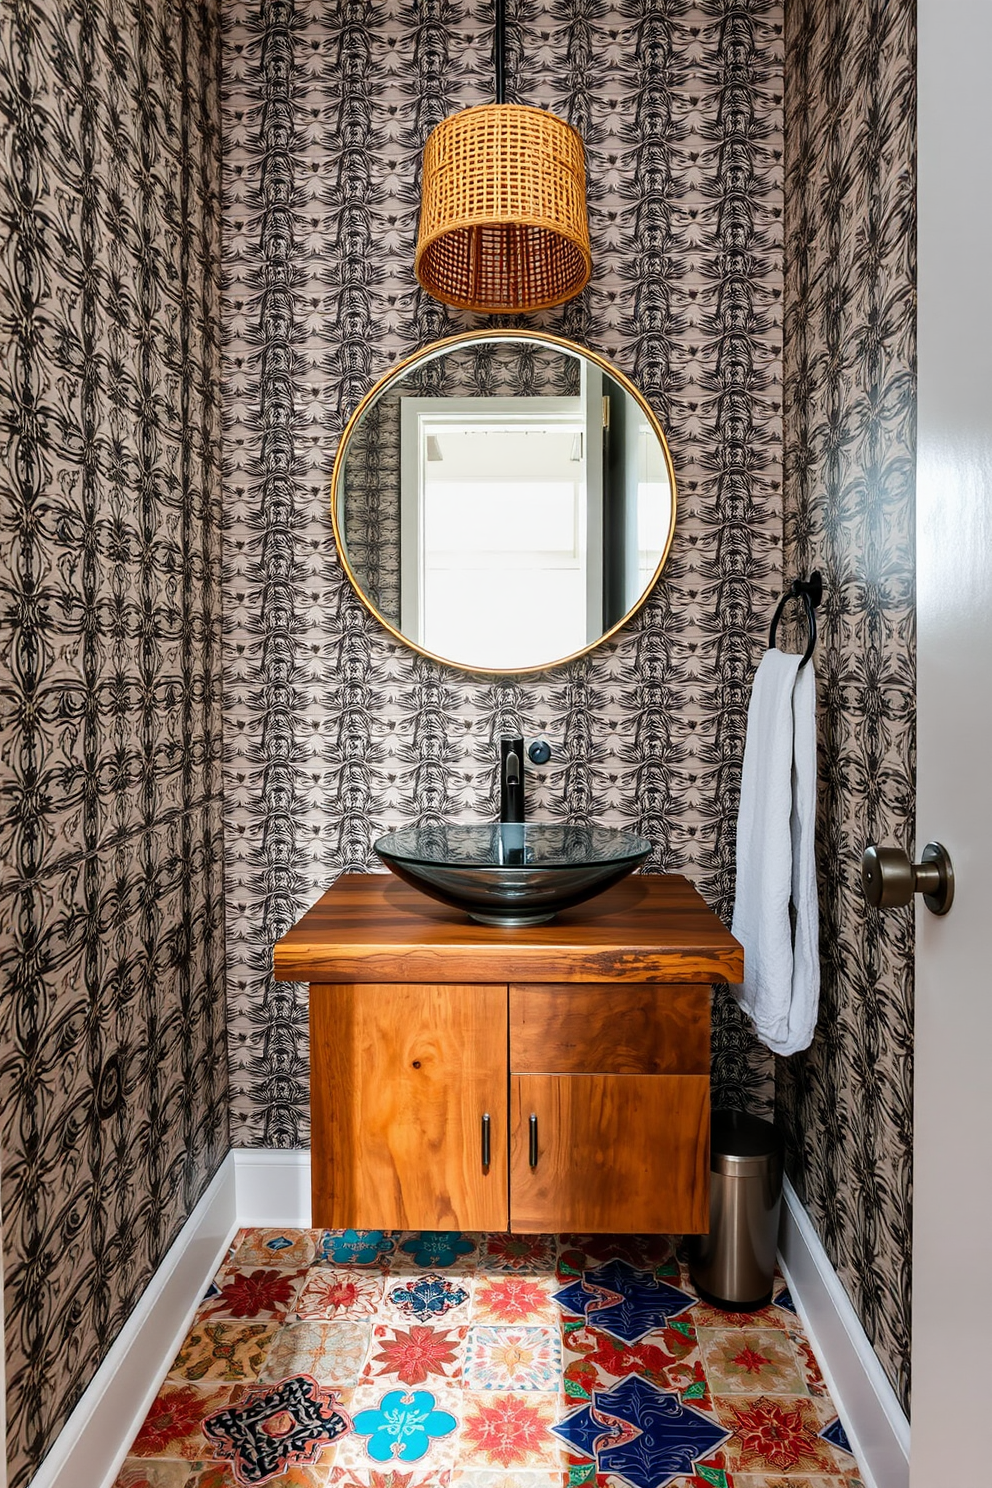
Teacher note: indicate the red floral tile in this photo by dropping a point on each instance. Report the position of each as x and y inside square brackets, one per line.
[514, 1299]
[174, 1425]
[750, 1361]
[261, 1295]
[329, 1294]
[774, 1434]
[531, 1255]
[416, 1354]
[501, 1429]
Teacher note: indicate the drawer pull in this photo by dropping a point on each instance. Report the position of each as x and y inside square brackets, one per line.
[533, 1141]
[486, 1140]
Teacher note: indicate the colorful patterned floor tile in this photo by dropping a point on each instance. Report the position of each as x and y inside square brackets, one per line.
[381, 1359]
[270, 1428]
[416, 1355]
[174, 1425]
[138, 1473]
[513, 1359]
[373, 1249]
[643, 1435]
[229, 1351]
[526, 1255]
[643, 1252]
[618, 1299]
[510, 1430]
[511, 1297]
[385, 1477]
[744, 1361]
[329, 1294]
[436, 1250]
[287, 1249]
[262, 1294]
[507, 1478]
[327, 1351]
[777, 1434]
[426, 1297]
[806, 1359]
[669, 1358]
[749, 1480]
[400, 1426]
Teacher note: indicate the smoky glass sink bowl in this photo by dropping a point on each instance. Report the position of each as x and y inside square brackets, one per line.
[505, 873]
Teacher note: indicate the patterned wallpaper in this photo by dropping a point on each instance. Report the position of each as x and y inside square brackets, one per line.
[113, 1072]
[333, 732]
[849, 504]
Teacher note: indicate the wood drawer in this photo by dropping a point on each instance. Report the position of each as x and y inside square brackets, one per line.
[610, 1029]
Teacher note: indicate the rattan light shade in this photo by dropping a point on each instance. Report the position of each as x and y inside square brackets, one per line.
[503, 225]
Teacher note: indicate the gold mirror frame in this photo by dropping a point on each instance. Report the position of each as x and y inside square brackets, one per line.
[438, 348]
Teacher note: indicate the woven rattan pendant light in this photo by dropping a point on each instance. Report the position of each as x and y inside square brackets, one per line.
[503, 226]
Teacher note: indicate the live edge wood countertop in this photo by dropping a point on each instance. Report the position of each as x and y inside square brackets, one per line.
[371, 927]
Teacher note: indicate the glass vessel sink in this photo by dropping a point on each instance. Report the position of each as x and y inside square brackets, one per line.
[509, 873]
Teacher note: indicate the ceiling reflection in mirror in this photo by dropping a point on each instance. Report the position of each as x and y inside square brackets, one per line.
[503, 500]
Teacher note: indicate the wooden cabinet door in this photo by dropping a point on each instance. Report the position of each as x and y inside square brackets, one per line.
[401, 1078]
[615, 1153]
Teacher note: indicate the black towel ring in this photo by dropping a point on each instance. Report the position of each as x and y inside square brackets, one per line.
[810, 591]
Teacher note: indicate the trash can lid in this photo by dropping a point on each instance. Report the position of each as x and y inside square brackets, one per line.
[741, 1144]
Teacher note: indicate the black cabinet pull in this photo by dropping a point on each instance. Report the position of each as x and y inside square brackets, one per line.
[486, 1140]
[533, 1141]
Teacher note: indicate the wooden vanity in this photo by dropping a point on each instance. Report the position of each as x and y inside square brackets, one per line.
[573, 1055]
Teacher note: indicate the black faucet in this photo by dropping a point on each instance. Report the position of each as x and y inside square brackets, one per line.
[511, 780]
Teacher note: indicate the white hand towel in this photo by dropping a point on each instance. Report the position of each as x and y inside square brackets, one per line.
[776, 915]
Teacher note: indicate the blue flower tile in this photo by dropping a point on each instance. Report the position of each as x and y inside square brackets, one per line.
[645, 1436]
[624, 1301]
[354, 1247]
[401, 1427]
[428, 1297]
[433, 1248]
[837, 1436]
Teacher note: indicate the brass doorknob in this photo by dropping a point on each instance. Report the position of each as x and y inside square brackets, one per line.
[890, 880]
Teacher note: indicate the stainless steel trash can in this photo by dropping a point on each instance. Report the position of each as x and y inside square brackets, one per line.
[733, 1267]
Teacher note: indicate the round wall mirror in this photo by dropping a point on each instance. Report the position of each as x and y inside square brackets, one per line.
[503, 500]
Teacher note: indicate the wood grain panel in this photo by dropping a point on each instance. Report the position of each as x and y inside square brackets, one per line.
[617, 1153]
[610, 1029]
[373, 928]
[400, 1079]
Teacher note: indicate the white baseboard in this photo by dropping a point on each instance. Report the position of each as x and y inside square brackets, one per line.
[93, 1443]
[267, 1187]
[273, 1186]
[866, 1402]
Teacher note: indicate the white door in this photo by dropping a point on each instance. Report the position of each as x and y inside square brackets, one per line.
[952, 1256]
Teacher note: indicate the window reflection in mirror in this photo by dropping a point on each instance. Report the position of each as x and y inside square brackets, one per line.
[503, 503]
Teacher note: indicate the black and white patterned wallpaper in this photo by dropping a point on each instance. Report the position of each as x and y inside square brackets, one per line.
[113, 1069]
[333, 732]
[849, 507]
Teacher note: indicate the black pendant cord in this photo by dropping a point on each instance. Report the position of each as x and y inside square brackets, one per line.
[499, 51]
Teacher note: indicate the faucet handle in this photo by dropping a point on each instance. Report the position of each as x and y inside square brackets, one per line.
[539, 752]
